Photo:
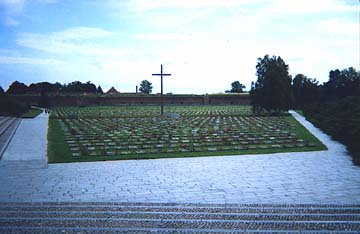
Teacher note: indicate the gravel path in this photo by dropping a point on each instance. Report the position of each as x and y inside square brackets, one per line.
[322, 177]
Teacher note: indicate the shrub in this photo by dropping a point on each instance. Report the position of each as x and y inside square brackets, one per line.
[340, 119]
[13, 108]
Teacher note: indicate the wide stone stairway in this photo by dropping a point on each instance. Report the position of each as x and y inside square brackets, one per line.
[177, 218]
[8, 126]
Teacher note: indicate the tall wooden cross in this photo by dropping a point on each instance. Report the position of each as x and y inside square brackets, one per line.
[161, 75]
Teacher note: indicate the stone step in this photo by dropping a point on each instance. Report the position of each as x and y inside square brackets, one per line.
[177, 218]
[180, 215]
[3, 119]
[6, 133]
[6, 124]
[166, 207]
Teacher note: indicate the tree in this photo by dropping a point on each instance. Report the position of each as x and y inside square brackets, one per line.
[99, 90]
[237, 87]
[89, 87]
[1, 91]
[47, 87]
[17, 88]
[272, 90]
[78, 87]
[305, 90]
[342, 84]
[145, 87]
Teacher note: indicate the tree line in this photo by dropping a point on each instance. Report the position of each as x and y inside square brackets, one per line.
[275, 90]
[333, 106]
[45, 87]
[73, 87]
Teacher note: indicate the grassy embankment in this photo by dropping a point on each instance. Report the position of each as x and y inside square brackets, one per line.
[32, 113]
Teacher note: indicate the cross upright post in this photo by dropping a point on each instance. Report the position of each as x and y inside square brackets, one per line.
[162, 99]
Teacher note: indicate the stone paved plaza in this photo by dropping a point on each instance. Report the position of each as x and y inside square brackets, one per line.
[313, 177]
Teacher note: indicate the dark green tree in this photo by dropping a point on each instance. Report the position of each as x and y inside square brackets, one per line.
[38, 88]
[272, 90]
[17, 88]
[1, 91]
[342, 84]
[78, 87]
[99, 90]
[305, 90]
[89, 87]
[145, 87]
[237, 87]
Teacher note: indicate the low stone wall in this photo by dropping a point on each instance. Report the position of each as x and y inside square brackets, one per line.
[84, 100]
[229, 99]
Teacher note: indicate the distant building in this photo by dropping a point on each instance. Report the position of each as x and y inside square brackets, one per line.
[112, 91]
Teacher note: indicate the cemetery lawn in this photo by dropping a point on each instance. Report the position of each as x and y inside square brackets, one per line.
[32, 113]
[80, 134]
[300, 112]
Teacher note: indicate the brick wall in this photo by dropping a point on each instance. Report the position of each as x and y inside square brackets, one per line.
[83, 100]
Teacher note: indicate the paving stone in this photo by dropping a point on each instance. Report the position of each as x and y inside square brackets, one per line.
[147, 217]
[310, 177]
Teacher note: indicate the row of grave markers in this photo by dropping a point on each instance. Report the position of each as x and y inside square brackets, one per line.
[107, 136]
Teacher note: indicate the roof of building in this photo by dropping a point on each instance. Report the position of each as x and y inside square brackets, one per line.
[112, 91]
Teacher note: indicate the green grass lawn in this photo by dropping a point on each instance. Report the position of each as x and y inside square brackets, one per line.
[58, 149]
[300, 112]
[120, 133]
[32, 113]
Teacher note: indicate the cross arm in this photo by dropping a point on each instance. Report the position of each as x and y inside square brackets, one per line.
[161, 74]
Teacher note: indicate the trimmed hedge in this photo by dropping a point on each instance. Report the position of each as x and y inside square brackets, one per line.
[13, 108]
[340, 119]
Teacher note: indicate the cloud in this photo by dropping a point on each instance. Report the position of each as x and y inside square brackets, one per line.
[276, 6]
[11, 22]
[29, 61]
[79, 41]
[145, 5]
[206, 44]
[310, 6]
[14, 5]
[81, 33]
[11, 9]
[338, 26]
[14, 8]
[162, 36]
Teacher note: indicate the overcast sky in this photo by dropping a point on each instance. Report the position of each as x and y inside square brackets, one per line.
[204, 44]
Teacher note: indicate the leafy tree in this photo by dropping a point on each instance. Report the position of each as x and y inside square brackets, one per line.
[73, 87]
[342, 84]
[78, 87]
[237, 87]
[305, 90]
[1, 91]
[272, 90]
[99, 90]
[145, 87]
[89, 87]
[340, 119]
[47, 87]
[17, 88]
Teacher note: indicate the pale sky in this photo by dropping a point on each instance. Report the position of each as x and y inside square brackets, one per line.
[204, 44]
